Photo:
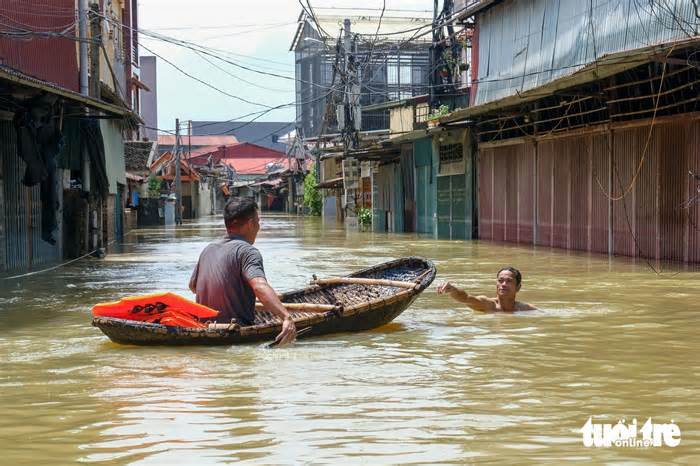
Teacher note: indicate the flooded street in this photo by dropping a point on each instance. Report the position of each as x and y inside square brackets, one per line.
[440, 384]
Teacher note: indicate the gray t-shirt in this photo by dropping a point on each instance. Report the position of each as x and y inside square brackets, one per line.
[220, 279]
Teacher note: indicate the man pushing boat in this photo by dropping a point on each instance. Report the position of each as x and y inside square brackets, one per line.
[229, 274]
[508, 281]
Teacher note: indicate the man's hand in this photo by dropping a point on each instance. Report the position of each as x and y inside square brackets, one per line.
[288, 333]
[446, 288]
[264, 292]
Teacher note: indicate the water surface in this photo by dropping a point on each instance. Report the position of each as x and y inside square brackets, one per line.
[440, 384]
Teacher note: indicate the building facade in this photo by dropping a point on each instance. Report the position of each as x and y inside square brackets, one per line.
[62, 166]
[585, 118]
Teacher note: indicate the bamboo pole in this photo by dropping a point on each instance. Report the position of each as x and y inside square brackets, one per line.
[362, 281]
[309, 307]
[224, 326]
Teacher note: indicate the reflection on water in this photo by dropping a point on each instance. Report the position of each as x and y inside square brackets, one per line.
[440, 384]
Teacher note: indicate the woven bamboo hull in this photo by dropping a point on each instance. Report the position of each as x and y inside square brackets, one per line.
[363, 307]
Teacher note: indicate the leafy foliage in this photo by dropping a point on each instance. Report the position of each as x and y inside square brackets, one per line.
[154, 187]
[439, 112]
[313, 200]
[364, 216]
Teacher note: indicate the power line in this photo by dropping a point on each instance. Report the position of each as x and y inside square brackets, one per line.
[204, 82]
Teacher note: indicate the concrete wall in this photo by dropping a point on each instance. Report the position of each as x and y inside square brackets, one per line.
[149, 99]
[401, 119]
[114, 154]
[108, 219]
[203, 207]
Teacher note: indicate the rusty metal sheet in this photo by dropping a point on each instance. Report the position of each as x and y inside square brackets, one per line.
[486, 194]
[572, 192]
[693, 189]
[627, 150]
[21, 211]
[544, 196]
[579, 210]
[526, 193]
[27, 48]
[599, 185]
[508, 182]
[499, 194]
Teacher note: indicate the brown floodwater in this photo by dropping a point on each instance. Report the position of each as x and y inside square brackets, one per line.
[440, 384]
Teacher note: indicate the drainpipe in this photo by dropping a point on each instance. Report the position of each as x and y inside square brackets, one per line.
[83, 47]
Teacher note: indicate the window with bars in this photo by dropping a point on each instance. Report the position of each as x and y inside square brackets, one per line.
[451, 153]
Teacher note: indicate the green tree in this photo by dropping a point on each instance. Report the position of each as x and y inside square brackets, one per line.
[154, 185]
[312, 196]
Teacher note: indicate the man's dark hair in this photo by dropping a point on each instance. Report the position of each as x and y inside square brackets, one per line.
[514, 271]
[239, 210]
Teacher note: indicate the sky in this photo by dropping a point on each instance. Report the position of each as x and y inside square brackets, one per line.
[255, 34]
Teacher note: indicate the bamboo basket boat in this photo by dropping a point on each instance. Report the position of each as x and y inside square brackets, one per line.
[360, 301]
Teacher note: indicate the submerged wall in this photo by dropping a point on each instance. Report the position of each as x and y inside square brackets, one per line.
[622, 191]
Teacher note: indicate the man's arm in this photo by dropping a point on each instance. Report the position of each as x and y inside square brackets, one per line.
[478, 303]
[193, 279]
[266, 295]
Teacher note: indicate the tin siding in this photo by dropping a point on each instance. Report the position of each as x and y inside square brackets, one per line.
[693, 211]
[599, 204]
[51, 59]
[486, 194]
[544, 193]
[626, 154]
[579, 169]
[510, 185]
[526, 197]
[21, 211]
[523, 45]
[499, 194]
[572, 189]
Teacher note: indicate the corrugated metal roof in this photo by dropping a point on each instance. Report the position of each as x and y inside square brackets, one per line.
[169, 140]
[37, 40]
[604, 67]
[524, 45]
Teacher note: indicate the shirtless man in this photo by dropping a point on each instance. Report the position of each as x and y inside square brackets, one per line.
[507, 286]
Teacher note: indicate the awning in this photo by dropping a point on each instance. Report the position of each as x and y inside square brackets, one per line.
[132, 177]
[332, 183]
[272, 183]
[140, 84]
[604, 67]
[14, 76]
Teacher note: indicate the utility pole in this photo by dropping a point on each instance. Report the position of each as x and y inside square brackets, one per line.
[96, 33]
[432, 101]
[178, 182]
[83, 47]
[351, 125]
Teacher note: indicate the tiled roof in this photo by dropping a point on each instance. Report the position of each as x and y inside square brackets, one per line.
[136, 155]
[256, 165]
[198, 141]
